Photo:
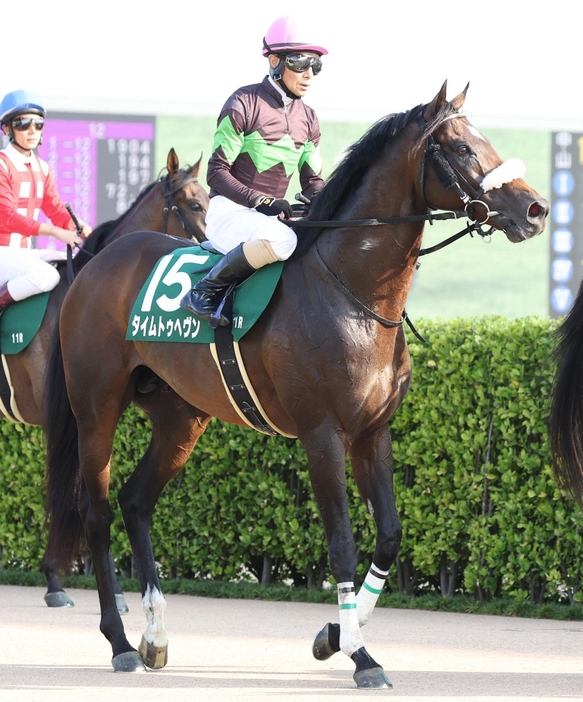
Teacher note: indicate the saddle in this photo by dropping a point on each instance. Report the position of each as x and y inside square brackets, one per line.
[19, 324]
[157, 316]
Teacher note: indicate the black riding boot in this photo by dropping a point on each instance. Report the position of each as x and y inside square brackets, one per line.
[207, 294]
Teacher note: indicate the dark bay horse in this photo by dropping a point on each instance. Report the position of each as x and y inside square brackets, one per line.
[566, 415]
[327, 368]
[175, 204]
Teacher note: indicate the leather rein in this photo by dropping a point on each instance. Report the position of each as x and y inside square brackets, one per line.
[450, 178]
[170, 205]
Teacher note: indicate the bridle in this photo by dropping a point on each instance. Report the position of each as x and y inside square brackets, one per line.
[450, 177]
[170, 205]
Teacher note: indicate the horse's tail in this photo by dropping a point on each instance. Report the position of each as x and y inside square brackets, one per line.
[566, 416]
[63, 476]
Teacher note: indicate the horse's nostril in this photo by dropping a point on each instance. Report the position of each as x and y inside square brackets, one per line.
[535, 210]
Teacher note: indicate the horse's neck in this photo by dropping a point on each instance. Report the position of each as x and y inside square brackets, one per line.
[378, 263]
[147, 216]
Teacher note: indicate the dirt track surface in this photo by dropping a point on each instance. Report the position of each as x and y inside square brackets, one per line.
[249, 650]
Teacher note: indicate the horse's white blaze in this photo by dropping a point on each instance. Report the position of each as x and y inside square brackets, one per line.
[154, 607]
[350, 637]
[505, 173]
[368, 594]
[476, 133]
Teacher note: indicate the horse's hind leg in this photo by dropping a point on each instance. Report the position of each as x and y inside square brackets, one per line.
[55, 595]
[372, 466]
[95, 448]
[176, 426]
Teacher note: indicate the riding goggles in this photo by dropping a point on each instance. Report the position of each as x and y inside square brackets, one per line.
[22, 124]
[299, 63]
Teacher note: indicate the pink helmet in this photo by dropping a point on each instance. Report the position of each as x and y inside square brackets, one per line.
[286, 34]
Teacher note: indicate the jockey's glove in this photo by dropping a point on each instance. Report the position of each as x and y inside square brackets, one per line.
[271, 207]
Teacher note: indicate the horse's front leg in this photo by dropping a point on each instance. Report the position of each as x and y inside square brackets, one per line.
[327, 456]
[372, 464]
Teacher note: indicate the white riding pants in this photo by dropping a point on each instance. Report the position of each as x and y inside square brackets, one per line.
[26, 271]
[229, 224]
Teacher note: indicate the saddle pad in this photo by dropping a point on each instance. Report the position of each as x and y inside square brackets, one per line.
[157, 315]
[20, 322]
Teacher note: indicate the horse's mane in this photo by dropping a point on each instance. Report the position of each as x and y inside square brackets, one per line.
[359, 157]
[101, 235]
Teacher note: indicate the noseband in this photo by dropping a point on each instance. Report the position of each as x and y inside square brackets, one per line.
[170, 205]
[451, 177]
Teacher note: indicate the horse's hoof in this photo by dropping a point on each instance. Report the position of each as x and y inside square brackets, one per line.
[128, 662]
[58, 599]
[372, 679]
[327, 642]
[120, 603]
[153, 656]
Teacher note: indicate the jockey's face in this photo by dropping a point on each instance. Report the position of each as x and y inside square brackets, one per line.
[25, 140]
[297, 83]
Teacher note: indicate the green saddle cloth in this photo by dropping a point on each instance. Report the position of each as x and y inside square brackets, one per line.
[157, 315]
[20, 322]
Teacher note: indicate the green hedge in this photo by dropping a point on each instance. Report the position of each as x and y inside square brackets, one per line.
[480, 511]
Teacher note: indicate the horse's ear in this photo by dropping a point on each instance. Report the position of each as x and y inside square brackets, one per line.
[196, 168]
[172, 163]
[436, 104]
[458, 101]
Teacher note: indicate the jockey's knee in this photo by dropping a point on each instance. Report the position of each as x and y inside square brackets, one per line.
[45, 277]
[284, 247]
[259, 253]
[42, 278]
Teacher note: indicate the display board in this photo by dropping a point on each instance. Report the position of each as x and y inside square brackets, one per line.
[566, 267]
[100, 162]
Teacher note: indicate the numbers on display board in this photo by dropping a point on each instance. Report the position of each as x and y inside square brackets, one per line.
[134, 170]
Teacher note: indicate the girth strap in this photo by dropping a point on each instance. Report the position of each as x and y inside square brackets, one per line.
[228, 363]
[6, 393]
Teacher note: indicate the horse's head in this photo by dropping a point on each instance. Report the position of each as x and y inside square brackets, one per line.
[463, 171]
[190, 198]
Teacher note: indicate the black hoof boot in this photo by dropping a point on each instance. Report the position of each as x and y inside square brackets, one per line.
[369, 674]
[327, 642]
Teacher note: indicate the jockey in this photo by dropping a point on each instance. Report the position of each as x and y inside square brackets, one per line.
[26, 188]
[264, 132]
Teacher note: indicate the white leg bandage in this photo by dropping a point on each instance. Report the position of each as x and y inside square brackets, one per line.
[350, 637]
[369, 593]
[154, 607]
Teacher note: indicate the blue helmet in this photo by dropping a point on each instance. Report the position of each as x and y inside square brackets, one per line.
[20, 102]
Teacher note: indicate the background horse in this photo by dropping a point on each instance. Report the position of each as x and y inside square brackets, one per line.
[328, 360]
[175, 204]
[566, 415]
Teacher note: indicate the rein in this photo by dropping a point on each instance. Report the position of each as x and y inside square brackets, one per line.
[361, 306]
[170, 204]
[70, 271]
[450, 178]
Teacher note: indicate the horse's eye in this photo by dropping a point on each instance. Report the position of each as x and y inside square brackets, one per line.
[463, 150]
[196, 207]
